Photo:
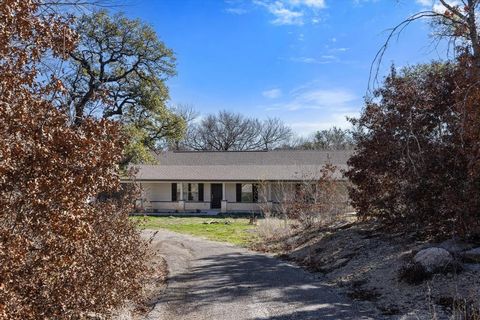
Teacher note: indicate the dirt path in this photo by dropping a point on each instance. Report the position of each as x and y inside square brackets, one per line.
[212, 280]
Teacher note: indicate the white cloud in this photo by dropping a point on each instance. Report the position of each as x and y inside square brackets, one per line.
[312, 107]
[320, 4]
[272, 94]
[321, 99]
[436, 5]
[440, 8]
[325, 59]
[292, 12]
[304, 60]
[314, 98]
[338, 120]
[284, 16]
[425, 3]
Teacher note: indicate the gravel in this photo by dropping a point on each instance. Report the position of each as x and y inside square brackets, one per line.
[212, 280]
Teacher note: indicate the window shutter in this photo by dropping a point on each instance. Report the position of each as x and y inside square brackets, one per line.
[190, 197]
[255, 192]
[200, 192]
[174, 192]
[239, 192]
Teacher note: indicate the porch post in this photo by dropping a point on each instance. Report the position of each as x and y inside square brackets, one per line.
[224, 198]
[181, 192]
[181, 202]
[269, 196]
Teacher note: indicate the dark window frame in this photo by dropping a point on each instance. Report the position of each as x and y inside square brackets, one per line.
[240, 193]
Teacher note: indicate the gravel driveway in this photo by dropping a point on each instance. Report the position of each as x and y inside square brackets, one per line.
[212, 280]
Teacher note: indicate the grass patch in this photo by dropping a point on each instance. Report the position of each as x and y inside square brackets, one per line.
[232, 230]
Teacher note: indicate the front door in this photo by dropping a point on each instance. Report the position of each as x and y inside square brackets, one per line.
[217, 195]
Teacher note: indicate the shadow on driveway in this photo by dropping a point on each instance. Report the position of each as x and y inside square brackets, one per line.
[279, 290]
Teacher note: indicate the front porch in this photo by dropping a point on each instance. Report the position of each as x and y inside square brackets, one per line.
[204, 197]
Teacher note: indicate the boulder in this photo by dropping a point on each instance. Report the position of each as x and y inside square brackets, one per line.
[472, 255]
[433, 259]
[455, 247]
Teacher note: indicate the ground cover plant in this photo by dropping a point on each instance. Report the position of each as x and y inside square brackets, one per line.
[232, 230]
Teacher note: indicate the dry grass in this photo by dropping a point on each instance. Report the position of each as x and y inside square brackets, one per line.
[274, 228]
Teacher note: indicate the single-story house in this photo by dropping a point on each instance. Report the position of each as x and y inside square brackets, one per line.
[230, 181]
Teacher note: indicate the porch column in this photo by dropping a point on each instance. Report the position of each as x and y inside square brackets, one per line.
[269, 196]
[224, 199]
[181, 201]
[181, 191]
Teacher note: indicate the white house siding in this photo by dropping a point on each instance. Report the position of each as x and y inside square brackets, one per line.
[157, 191]
[207, 192]
[230, 192]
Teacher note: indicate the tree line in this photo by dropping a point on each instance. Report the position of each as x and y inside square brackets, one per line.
[230, 131]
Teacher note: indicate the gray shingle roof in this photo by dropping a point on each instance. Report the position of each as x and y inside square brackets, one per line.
[288, 165]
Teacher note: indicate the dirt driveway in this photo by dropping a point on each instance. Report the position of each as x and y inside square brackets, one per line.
[212, 280]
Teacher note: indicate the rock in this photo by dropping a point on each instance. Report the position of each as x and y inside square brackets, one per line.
[455, 247]
[433, 259]
[472, 255]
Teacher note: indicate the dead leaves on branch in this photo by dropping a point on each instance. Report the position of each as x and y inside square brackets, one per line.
[64, 254]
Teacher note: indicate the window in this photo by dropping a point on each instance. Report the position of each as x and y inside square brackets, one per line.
[191, 192]
[247, 192]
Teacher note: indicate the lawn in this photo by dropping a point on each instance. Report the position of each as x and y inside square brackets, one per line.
[233, 230]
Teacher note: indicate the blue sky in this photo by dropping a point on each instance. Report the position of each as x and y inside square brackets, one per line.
[304, 61]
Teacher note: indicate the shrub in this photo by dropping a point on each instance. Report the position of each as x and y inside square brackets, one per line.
[416, 162]
[315, 201]
[63, 254]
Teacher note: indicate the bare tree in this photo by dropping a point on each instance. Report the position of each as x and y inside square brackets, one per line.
[330, 139]
[274, 132]
[456, 22]
[228, 131]
[186, 112]
[189, 116]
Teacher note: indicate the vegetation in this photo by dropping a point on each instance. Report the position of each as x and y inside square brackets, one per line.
[65, 252]
[118, 71]
[416, 165]
[329, 139]
[228, 131]
[233, 230]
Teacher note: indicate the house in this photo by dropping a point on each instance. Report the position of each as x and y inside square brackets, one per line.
[230, 181]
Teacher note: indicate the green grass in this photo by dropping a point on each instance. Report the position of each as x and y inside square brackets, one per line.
[237, 231]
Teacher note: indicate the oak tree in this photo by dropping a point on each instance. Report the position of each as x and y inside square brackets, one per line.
[118, 72]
